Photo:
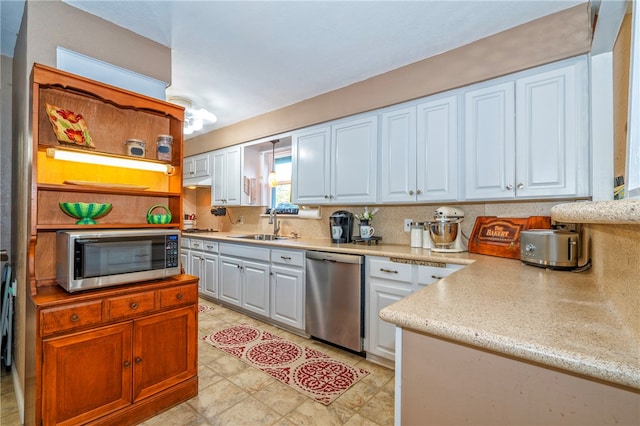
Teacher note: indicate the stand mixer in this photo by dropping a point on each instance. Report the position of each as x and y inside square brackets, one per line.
[445, 232]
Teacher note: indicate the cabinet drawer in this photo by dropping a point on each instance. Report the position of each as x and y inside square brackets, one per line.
[430, 274]
[183, 295]
[246, 251]
[184, 242]
[210, 246]
[390, 270]
[287, 257]
[196, 244]
[69, 317]
[129, 305]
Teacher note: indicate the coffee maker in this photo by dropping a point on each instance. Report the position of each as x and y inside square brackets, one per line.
[341, 226]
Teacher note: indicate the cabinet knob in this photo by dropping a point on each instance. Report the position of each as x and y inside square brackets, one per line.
[180, 296]
[411, 192]
[509, 187]
[134, 305]
[418, 192]
[127, 364]
[326, 196]
[138, 360]
[521, 186]
[75, 318]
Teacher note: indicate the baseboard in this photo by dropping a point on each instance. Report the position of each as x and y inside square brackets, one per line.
[17, 390]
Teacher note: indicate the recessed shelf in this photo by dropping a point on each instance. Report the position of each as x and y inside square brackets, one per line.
[105, 190]
[56, 227]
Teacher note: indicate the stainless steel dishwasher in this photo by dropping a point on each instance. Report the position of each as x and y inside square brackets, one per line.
[334, 307]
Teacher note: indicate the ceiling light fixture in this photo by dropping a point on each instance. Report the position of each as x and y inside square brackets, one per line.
[193, 118]
[273, 179]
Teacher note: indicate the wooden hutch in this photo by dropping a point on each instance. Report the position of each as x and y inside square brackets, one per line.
[121, 354]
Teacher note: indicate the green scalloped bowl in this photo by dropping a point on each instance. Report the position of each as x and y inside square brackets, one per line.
[86, 212]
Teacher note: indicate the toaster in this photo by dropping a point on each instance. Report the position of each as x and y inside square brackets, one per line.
[550, 248]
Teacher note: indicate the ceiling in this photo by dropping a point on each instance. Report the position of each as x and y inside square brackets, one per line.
[239, 59]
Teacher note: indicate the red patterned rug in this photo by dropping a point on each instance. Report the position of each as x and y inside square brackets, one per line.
[307, 370]
[204, 308]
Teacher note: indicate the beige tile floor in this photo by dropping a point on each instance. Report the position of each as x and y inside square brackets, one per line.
[233, 393]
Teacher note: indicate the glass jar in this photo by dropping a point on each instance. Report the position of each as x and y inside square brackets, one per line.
[136, 147]
[416, 233]
[163, 147]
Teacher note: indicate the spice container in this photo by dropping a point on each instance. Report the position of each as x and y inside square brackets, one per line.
[164, 144]
[416, 233]
[136, 147]
[426, 236]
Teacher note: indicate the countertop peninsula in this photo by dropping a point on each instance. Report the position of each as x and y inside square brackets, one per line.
[553, 318]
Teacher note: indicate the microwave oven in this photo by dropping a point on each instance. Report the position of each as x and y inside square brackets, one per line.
[102, 258]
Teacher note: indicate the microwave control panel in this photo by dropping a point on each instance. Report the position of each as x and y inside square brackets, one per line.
[173, 251]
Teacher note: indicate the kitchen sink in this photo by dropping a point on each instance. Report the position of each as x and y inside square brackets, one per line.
[262, 237]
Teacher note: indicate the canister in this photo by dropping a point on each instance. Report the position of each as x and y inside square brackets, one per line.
[164, 144]
[136, 147]
[416, 233]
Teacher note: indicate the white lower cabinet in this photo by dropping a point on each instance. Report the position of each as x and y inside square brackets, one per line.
[244, 277]
[203, 263]
[386, 283]
[288, 287]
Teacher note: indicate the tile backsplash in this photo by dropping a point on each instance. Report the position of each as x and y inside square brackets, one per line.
[388, 222]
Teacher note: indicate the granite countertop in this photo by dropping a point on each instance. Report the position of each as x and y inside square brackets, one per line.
[554, 318]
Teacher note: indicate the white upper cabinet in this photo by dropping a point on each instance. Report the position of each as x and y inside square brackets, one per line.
[337, 163]
[527, 137]
[437, 150]
[311, 165]
[490, 142]
[226, 187]
[551, 130]
[197, 166]
[420, 152]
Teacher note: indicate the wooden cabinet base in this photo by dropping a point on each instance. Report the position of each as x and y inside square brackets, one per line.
[151, 406]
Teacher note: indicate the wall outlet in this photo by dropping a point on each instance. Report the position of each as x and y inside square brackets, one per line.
[240, 220]
[407, 225]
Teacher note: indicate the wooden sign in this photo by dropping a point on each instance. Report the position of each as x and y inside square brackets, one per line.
[500, 236]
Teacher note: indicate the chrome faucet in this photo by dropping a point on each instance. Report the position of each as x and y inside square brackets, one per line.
[273, 219]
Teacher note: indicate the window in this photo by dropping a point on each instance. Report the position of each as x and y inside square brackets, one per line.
[281, 194]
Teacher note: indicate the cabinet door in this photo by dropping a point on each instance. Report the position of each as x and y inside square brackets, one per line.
[230, 280]
[86, 375]
[164, 351]
[287, 296]
[382, 337]
[232, 176]
[196, 261]
[217, 188]
[354, 161]
[256, 287]
[201, 165]
[184, 261]
[310, 172]
[490, 142]
[209, 280]
[398, 156]
[437, 150]
[549, 124]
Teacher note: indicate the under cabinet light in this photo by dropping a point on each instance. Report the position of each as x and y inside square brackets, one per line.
[108, 160]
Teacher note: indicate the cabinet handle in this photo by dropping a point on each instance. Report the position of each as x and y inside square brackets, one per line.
[418, 192]
[134, 305]
[435, 277]
[285, 257]
[127, 364]
[521, 186]
[75, 318]
[180, 296]
[389, 271]
[138, 360]
[411, 192]
[210, 247]
[509, 186]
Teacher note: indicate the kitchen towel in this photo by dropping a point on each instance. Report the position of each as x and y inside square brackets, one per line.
[307, 370]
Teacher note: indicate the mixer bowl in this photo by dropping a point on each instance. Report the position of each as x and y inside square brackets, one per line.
[443, 232]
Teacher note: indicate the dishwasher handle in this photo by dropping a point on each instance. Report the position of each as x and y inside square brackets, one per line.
[334, 257]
